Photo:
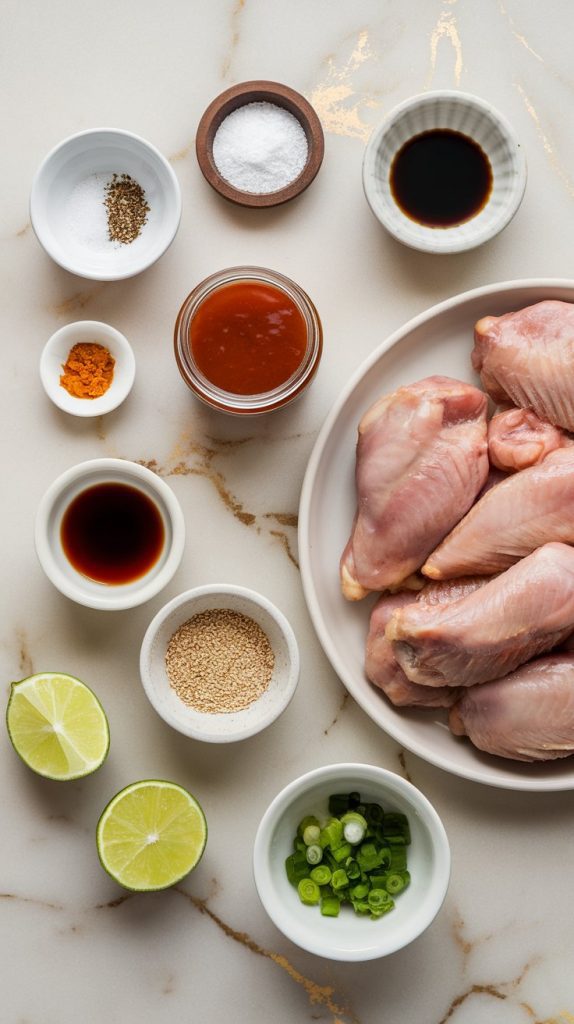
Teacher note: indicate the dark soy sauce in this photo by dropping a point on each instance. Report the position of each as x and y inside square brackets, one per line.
[112, 533]
[441, 178]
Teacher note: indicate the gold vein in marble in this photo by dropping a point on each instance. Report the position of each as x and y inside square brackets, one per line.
[181, 153]
[500, 991]
[403, 764]
[179, 464]
[236, 13]
[338, 712]
[30, 899]
[318, 995]
[75, 302]
[445, 28]
[518, 35]
[547, 144]
[337, 102]
[25, 663]
[23, 231]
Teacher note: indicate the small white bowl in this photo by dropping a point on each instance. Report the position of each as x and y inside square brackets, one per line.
[350, 936]
[49, 547]
[459, 112]
[235, 725]
[56, 352]
[103, 151]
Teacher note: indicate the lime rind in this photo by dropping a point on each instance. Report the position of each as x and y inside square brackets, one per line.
[35, 704]
[133, 859]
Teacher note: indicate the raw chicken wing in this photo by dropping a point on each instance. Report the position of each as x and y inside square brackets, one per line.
[521, 513]
[527, 716]
[421, 461]
[381, 666]
[523, 612]
[517, 439]
[527, 358]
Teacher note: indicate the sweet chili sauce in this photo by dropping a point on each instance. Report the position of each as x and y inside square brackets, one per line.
[441, 178]
[248, 337]
[112, 533]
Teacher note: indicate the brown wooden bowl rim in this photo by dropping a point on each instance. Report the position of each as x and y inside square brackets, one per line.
[253, 92]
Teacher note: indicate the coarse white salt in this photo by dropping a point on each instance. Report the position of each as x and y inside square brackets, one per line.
[86, 215]
[260, 148]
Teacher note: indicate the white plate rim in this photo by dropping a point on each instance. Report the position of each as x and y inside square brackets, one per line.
[519, 783]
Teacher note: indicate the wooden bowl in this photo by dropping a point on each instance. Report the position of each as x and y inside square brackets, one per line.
[257, 92]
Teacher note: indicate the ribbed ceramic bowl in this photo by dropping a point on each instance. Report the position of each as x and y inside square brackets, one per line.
[229, 726]
[349, 936]
[458, 112]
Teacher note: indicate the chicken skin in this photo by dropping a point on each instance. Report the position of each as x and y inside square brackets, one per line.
[421, 461]
[517, 439]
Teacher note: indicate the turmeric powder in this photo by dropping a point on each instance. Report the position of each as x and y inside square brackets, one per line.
[88, 370]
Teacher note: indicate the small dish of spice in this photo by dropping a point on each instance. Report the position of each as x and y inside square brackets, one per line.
[259, 144]
[105, 204]
[87, 368]
[219, 663]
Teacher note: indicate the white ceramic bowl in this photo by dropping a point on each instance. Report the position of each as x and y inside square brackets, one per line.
[103, 151]
[349, 936]
[56, 352]
[49, 545]
[459, 112]
[236, 725]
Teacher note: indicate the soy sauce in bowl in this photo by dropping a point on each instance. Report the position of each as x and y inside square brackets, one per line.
[112, 533]
[441, 178]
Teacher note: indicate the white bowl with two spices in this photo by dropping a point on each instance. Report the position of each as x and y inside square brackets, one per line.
[219, 663]
[444, 172]
[105, 204]
[351, 862]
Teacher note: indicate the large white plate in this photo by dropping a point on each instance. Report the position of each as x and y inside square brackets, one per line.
[438, 341]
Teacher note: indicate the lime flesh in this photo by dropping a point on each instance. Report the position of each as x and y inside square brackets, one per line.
[57, 726]
[151, 835]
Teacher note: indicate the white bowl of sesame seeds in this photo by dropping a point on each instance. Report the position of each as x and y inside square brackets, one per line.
[105, 204]
[219, 663]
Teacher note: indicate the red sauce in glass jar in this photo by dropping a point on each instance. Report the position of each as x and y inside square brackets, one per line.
[248, 337]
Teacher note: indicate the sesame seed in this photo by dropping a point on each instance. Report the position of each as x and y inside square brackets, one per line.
[219, 661]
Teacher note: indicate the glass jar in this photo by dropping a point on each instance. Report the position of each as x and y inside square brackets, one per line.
[257, 403]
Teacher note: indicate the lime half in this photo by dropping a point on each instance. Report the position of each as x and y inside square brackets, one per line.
[57, 726]
[150, 835]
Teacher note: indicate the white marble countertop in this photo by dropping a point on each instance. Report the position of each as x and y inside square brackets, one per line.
[74, 947]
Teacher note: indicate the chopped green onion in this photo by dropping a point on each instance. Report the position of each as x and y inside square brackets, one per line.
[397, 825]
[374, 814]
[352, 868]
[368, 857]
[311, 835]
[332, 834]
[330, 906]
[359, 892]
[296, 867]
[309, 819]
[354, 827]
[342, 852]
[339, 879]
[314, 854]
[378, 899]
[309, 893]
[354, 800]
[398, 859]
[338, 804]
[395, 884]
[321, 874]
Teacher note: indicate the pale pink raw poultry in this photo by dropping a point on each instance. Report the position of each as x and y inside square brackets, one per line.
[527, 716]
[421, 461]
[523, 612]
[381, 666]
[518, 515]
[517, 439]
[527, 358]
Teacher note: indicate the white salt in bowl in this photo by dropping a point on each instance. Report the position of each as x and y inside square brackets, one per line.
[56, 352]
[75, 238]
[236, 725]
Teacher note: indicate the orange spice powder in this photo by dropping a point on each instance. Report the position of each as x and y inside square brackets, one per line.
[88, 370]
